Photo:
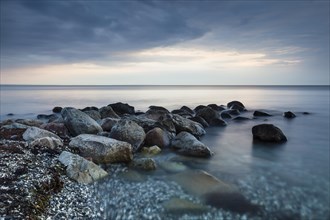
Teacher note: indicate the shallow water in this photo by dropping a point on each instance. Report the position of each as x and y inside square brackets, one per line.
[289, 180]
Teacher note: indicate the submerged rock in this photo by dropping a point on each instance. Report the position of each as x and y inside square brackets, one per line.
[159, 137]
[122, 108]
[289, 114]
[261, 113]
[102, 149]
[80, 169]
[144, 164]
[268, 133]
[186, 144]
[33, 133]
[79, 122]
[129, 131]
[151, 151]
[173, 167]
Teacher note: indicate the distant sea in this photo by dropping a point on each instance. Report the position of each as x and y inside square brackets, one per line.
[301, 163]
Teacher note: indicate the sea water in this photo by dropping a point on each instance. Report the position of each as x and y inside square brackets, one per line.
[293, 175]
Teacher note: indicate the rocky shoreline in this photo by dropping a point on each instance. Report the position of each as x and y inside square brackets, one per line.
[53, 166]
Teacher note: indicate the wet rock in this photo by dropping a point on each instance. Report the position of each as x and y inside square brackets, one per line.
[173, 167]
[122, 108]
[241, 118]
[225, 115]
[181, 112]
[261, 113]
[289, 114]
[33, 133]
[30, 122]
[146, 123]
[108, 123]
[168, 123]
[47, 144]
[215, 107]
[184, 124]
[102, 149]
[199, 107]
[183, 206]
[156, 114]
[187, 109]
[158, 108]
[151, 151]
[129, 131]
[268, 133]
[89, 108]
[232, 112]
[208, 114]
[200, 120]
[186, 144]
[93, 114]
[80, 169]
[237, 105]
[108, 112]
[57, 128]
[144, 164]
[79, 122]
[57, 109]
[157, 136]
[307, 113]
[218, 122]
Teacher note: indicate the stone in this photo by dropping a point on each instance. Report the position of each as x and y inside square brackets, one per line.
[57, 128]
[89, 108]
[218, 122]
[57, 109]
[122, 108]
[15, 125]
[200, 120]
[261, 113]
[237, 105]
[80, 169]
[12, 133]
[231, 112]
[268, 133]
[215, 107]
[173, 167]
[182, 113]
[144, 164]
[157, 136]
[129, 131]
[187, 109]
[156, 115]
[241, 118]
[93, 114]
[102, 149]
[49, 144]
[108, 112]
[108, 123]
[30, 122]
[151, 151]
[47, 117]
[199, 107]
[33, 133]
[208, 114]
[183, 206]
[158, 108]
[146, 123]
[186, 144]
[289, 114]
[184, 124]
[225, 115]
[79, 122]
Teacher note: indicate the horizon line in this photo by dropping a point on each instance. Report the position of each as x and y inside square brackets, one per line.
[297, 85]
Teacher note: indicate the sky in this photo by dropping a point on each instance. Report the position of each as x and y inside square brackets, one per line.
[191, 42]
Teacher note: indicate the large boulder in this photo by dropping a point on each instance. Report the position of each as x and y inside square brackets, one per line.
[79, 122]
[80, 169]
[57, 128]
[268, 133]
[159, 137]
[122, 108]
[216, 107]
[236, 105]
[200, 120]
[47, 144]
[187, 109]
[108, 123]
[146, 123]
[93, 114]
[129, 131]
[208, 114]
[33, 133]
[102, 149]
[156, 114]
[108, 112]
[184, 124]
[186, 144]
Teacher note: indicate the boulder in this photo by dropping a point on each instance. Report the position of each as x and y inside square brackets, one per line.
[33, 133]
[268, 133]
[289, 114]
[241, 118]
[122, 108]
[108, 112]
[57, 128]
[186, 144]
[15, 125]
[173, 167]
[79, 122]
[156, 115]
[151, 151]
[216, 107]
[47, 144]
[57, 109]
[261, 113]
[187, 109]
[30, 122]
[89, 108]
[102, 149]
[208, 114]
[237, 105]
[182, 113]
[108, 123]
[232, 111]
[146, 123]
[184, 124]
[157, 136]
[129, 131]
[200, 120]
[199, 107]
[80, 169]
[144, 164]
[168, 123]
[225, 115]
[158, 108]
[218, 122]
[93, 114]
[50, 117]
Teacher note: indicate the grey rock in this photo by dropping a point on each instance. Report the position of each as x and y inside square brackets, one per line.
[289, 114]
[57, 109]
[186, 144]
[187, 109]
[151, 151]
[47, 142]
[218, 122]
[225, 115]
[241, 118]
[146, 123]
[237, 105]
[199, 107]
[30, 122]
[122, 108]
[129, 131]
[159, 137]
[33, 133]
[79, 122]
[200, 120]
[102, 149]
[184, 124]
[108, 123]
[80, 169]
[144, 164]
[216, 107]
[156, 114]
[57, 128]
[93, 114]
[15, 125]
[208, 114]
[158, 108]
[108, 112]
[268, 133]
[261, 113]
